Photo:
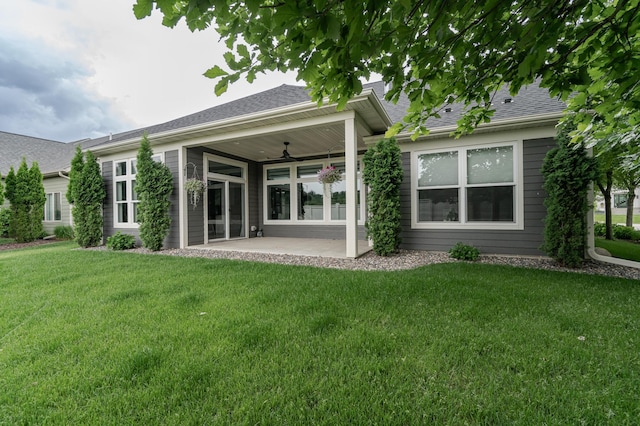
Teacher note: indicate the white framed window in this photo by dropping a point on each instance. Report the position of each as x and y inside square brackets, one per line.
[125, 196]
[293, 195]
[52, 207]
[468, 187]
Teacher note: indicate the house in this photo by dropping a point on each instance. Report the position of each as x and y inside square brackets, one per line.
[54, 159]
[260, 155]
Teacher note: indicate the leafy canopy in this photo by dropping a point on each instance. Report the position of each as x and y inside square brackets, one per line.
[587, 52]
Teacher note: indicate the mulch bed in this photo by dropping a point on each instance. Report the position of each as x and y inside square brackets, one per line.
[13, 246]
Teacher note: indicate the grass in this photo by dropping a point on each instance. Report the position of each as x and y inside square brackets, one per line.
[6, 240]
[620, 248]
[90, 337]
[616, 218]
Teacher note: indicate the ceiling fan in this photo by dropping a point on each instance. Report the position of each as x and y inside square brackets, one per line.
[285, 153]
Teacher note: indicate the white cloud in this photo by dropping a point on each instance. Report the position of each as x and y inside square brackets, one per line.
[90, 68]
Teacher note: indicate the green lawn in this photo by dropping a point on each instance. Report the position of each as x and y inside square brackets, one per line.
[89, 337]
[620, 248]
[616, 218]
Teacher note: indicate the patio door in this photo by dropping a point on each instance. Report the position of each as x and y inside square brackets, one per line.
[226, 215]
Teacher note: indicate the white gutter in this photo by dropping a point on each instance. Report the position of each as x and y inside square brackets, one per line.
[241, 119]
[529, 120]
[62, 175]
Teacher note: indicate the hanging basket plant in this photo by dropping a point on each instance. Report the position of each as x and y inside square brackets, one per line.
[194, 186]
[329, 175]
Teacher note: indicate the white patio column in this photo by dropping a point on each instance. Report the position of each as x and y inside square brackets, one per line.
[351, 182]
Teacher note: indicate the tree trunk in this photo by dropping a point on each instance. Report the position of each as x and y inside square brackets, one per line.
[631, 196]
[606, 193]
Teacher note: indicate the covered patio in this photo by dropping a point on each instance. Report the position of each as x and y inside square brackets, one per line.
[288, 246]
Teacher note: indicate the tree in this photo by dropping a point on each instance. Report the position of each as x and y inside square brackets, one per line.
[1, 192]
[154, 185]
[77, 165]
[25, 193]
[628, 179]
[383, 173]
[607, 163]
[586, 52]
[89, 193]
[567, 172]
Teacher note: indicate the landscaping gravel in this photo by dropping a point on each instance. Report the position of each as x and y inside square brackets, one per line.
[404, 259]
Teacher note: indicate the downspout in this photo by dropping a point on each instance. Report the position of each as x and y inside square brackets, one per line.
[62, 175]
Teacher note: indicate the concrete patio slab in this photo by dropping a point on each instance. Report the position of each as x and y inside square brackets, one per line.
[291, 246]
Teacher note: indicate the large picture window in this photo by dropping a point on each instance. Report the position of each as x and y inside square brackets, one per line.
[466, 187]
[52, 209]
[294, 195]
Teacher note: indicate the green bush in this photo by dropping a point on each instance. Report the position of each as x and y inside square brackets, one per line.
[63, 232]
[154, 185]
[120, 241]
[88, 195]
[625, 233]
[463, 251]
[599, 229]
[383, 173]
[5, 220]
[567, 173]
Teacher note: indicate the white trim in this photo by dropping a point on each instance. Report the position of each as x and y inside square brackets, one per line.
[226, 179]
[129, 178]
[54, 220]
[293, 182]
[182, 199]
[462, 148]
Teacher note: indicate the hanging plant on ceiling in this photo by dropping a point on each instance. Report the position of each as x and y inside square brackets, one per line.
[194, 186]
[329, 175]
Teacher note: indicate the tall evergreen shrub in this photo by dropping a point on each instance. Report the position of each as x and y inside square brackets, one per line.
[9, 192]
[88, 195]
[1, 192]
[75, 174]
[383, 174]
[154, 185]
[25, 193]
[567, 172]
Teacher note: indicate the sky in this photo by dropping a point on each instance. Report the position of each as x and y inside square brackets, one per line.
[76, 69]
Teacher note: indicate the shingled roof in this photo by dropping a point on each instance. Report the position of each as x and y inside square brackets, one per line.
[52, 156]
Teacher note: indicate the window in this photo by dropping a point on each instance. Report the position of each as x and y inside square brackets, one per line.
[126, 200]
[620, 200]
[294, 195]
[467, 187]
[52, 211]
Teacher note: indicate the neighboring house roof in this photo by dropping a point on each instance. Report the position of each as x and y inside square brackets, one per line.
[52, 156]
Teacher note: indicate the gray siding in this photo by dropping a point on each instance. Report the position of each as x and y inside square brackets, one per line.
[195, 216]
[327, 232]
[517, 242]
[171, 161]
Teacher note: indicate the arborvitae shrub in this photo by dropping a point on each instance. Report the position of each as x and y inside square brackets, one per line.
[88, 196]
[567, 174]
[383, 173]
[154, 185]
